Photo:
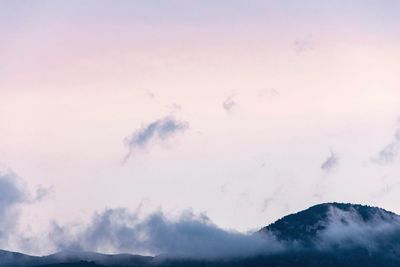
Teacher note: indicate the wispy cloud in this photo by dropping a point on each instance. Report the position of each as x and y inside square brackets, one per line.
[174, 107]
[389, 153]
[150, 94]
[303, 44]
[159, 130]
[229, 104]
[268, 92]
[269, 200]
[42, 193]
[330, 163]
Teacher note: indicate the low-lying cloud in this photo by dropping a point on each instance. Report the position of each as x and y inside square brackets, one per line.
[13, 194]
[349, 229]
[159, 130]
[195, 236]
[118, 230]
[189, 235]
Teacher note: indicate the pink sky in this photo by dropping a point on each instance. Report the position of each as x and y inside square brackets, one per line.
[77, 77]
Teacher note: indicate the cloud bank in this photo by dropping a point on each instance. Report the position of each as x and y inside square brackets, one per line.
[191, 236]
[159, 130]
[196, 237]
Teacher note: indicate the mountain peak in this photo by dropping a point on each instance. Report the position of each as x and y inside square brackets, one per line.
[305, 225]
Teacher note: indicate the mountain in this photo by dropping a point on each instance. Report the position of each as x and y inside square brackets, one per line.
[305, 225]
[8, 258]
[72, 258]
[103, 259]
[328, 235]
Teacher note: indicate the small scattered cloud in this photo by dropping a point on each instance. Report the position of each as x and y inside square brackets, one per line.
[174, 108]
[269, 200]
[42, 193]
[387, 187]
[224, 187]
[159, 130]
[268, 92]
[150, 94]
[303, 44]
[229, 104]
[391, 151]
[330, 163]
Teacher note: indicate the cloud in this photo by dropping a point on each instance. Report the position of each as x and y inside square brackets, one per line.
[337, 229]
[159, 130]
[229, 104]
[389, 153]
[269, 200]
[150, 94]
[11, 192]
[346, 229]
[175, 106]
[303, 44]
[11, 195]
[196, 237]
[188, 235]
[330, 163]
[268, 92]
[43, 193]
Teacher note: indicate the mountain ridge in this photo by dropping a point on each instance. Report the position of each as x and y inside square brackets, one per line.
[321, 235]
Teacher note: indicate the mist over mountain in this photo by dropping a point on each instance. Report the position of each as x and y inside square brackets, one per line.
[330, 234]
[336, 224]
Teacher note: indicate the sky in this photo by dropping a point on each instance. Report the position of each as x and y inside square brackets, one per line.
[241, 111]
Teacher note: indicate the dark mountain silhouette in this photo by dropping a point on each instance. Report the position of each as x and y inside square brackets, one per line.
[73, 258]
[105, 259]
[74, 264]
[326, 235]
[8, 258]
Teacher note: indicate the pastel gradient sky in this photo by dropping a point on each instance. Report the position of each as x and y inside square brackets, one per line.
[313, 87]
